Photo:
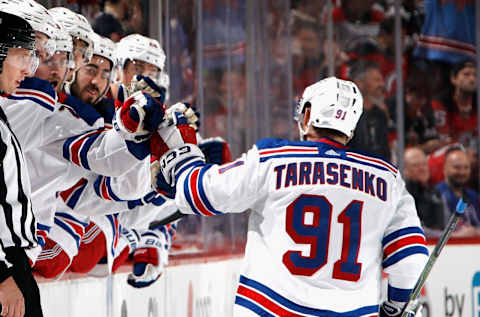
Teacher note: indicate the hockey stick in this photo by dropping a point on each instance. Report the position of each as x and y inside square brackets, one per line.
[167, 220]
[452, 223]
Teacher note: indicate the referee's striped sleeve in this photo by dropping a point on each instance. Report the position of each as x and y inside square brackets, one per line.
[17, 222]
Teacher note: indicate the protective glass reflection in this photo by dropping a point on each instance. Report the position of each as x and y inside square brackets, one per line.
[26, 60]
[146, 69]
[45, 46]
[61, 62]
[94, 71]
[81, 48]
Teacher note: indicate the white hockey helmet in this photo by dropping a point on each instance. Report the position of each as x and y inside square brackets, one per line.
[139, 47]
[37, 16]
[77, 26]
[105, 47]
[334, 104]
[64, 43]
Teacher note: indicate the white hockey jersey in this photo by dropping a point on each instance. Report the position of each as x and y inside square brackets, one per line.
[62, 144]
[325, 221]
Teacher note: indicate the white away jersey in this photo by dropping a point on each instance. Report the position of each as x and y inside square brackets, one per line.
[325, 221]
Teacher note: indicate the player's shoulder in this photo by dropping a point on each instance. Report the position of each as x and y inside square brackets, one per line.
[271, 143]
[371, 160]
[281, 148]
[36, 90]
[79, 109]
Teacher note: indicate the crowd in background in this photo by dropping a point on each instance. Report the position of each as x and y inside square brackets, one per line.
[440, 109]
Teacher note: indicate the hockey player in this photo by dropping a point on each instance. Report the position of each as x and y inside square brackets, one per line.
[80, 31]
[59, 146]
[19, 294]
[140, 55]
[55, 68]
[90, 85]
[325, 219]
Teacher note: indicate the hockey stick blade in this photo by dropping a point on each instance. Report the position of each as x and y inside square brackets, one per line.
[452, 223]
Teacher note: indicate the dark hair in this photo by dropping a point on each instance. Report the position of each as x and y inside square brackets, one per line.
[359, 69]
[456, 68]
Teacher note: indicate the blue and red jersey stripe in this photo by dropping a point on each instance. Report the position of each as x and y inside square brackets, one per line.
[264, 301]
[195, 192]
[403, 243]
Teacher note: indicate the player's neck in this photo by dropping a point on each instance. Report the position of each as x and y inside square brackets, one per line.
[339, 139]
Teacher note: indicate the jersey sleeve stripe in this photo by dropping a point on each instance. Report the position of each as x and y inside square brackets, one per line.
[72, 146]
[403, 253]
[115, 231]
[398, 294]
[186, 190]
[403, 242]
[71, 218]
[86, 147]
[72, 195]
[194, 179]
[110, 191]
[203, 196]
[268, 299]
[402, 232]
[71, 229]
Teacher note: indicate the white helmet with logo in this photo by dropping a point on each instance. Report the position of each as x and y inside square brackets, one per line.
[139, 47]
[334, 104]
[104, 47]
[76, 25]
[64, 43]
[37, 16]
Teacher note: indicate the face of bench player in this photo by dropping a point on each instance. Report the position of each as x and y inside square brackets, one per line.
[136, 67]
[53, 69]
[92, 79]
[17, 66]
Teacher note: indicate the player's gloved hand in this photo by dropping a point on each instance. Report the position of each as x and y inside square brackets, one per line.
[189, 112]
[216, 150]
[131, 238]
[147, 85]
[149, 259]
[158, 181]
[390, 309]
[138, 116]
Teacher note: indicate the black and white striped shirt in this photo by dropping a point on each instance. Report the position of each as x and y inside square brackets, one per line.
[17, 222]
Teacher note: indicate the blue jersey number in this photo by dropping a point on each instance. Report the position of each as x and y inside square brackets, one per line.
[308, 220]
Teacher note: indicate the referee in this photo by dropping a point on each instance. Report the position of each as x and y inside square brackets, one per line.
[19, 294]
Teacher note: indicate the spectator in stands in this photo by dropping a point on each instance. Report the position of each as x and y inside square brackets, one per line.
[419, 119]
[309, 60]
[427, 199]
[356, 22]
[372, 128]
[381, 49]
[457, 172]
[120, 18]
[456, 111]
[108, 23]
